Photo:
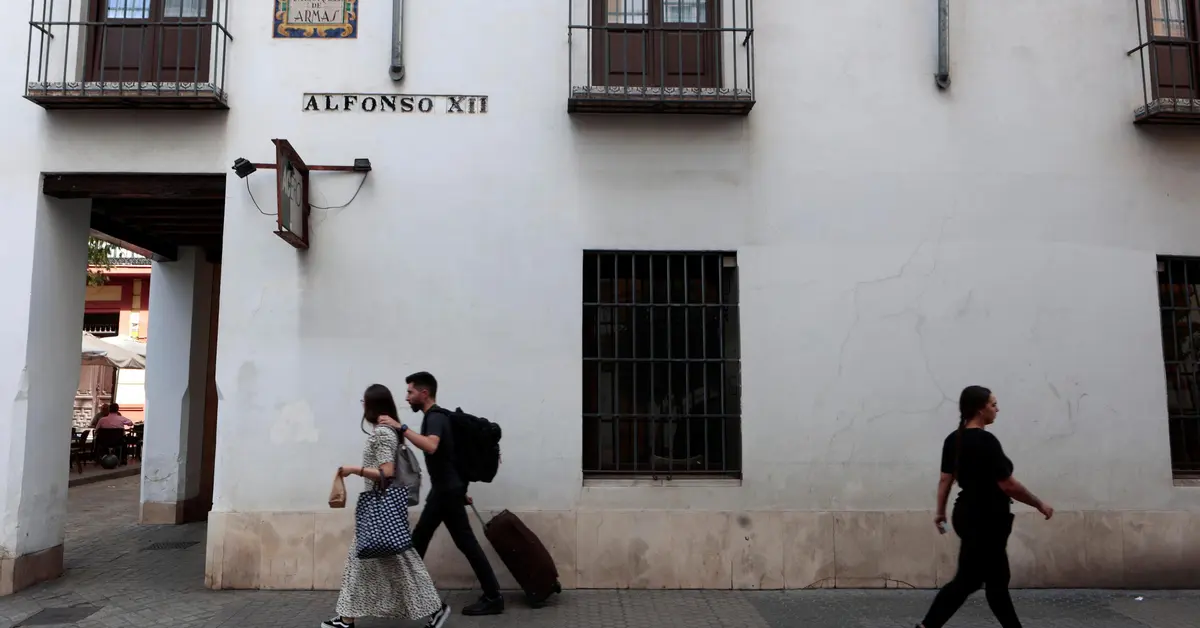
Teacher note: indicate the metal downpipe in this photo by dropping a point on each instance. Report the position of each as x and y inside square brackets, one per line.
[942, 78]
[396, 68]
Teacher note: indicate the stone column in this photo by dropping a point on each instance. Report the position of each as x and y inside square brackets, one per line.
[176, 368]
[45, 264]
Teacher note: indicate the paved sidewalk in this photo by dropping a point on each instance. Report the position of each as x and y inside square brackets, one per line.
[93, 474]
[124, 575]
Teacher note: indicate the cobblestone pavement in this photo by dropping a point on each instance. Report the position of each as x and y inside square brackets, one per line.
[124, 575]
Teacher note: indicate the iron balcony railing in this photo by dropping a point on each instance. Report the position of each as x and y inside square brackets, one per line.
[1168, 53]
[128, 53]
[129, 260]
[685, 56]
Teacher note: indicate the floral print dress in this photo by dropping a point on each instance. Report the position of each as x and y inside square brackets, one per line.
[394, 587]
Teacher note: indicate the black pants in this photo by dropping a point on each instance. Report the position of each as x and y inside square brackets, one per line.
[982, 562]
[451, 509]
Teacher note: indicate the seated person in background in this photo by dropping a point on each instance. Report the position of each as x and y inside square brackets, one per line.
[112, 419]
[100, 414]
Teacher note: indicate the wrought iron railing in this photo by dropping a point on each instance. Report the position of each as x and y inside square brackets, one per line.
[661, 55]
[1168, 53]
[129, 260]
[661, 365]
[128, 52]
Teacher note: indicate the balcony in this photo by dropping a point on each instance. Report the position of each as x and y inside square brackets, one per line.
[661, 56]
[1168, 52]
[127, 54]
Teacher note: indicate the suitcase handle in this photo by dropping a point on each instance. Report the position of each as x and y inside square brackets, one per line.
[477, 516]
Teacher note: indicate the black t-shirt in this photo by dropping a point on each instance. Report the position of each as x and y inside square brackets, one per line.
[443, 477]
[981, 466]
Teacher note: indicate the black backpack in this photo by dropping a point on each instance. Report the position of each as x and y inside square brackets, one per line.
[476, 446]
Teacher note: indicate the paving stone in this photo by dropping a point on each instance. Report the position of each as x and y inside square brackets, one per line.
[110, 567]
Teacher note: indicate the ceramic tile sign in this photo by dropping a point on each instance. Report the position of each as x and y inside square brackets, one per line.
[316, 19]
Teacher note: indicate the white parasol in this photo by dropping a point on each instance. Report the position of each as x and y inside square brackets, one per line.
[96, 352]
[131, 345]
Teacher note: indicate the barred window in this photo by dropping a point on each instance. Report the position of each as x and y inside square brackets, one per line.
[661, 364]
[1179, 307]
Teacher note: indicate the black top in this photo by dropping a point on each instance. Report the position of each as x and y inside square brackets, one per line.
[443, 476]
[981, 466]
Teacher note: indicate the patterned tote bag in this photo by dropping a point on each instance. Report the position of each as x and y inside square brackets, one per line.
[381, 522]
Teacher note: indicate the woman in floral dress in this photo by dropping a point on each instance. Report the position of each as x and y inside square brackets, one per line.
[393, 587]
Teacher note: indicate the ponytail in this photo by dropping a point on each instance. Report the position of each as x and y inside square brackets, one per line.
[970, 403]
[962, 424]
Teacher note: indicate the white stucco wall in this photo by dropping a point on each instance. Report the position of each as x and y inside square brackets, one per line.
[895, 244]
[40, 373]
[175, 387]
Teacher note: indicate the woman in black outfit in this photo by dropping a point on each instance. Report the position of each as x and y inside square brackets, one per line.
[982, 514]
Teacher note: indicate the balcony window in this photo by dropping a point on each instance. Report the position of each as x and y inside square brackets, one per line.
[129, 53]
[1168, 53]
[677, 56]
[128, 9]
[1168, 18]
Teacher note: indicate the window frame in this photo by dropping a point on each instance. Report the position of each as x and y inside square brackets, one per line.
[1185, 20]
[145, 34]
[654, 38]
[1183, 416]
[631, 430]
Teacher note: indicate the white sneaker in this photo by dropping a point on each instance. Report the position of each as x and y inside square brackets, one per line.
[438, 619]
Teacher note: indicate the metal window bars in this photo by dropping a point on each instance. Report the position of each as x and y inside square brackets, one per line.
[128, 53]
[661, 364]
[1179, 307]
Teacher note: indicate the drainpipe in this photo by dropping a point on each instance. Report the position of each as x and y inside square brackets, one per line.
[942, 78]
[396, 69]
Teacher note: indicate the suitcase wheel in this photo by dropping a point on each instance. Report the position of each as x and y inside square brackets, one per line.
[534, 602]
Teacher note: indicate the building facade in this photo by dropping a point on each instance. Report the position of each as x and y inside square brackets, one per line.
[117, 306]
[724, 348]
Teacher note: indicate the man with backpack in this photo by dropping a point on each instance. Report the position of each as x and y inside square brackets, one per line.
[447, 501]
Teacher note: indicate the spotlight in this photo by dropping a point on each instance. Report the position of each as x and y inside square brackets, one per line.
[362, 165]
[243, 168]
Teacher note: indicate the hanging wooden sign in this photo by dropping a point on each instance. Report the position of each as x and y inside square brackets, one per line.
[292, 190]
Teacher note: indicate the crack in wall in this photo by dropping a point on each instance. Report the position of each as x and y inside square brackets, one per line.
[919, 328]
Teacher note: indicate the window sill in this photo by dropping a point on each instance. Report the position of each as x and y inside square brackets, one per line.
[1192, 482]
[681, 482]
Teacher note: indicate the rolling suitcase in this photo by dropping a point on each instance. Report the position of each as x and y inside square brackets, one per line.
[524, 554]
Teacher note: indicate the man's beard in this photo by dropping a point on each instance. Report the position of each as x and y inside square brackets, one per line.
[415, 407]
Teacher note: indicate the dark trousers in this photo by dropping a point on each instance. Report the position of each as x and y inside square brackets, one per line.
[982, 562]
[451, 509]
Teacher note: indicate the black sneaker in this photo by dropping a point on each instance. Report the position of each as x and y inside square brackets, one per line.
[438, 619]
[336, 622]
[485, 606]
